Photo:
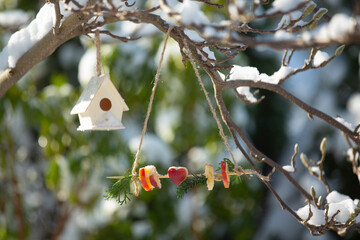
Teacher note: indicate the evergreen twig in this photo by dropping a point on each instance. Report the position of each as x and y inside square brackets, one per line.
[189, 183]
[120, 191]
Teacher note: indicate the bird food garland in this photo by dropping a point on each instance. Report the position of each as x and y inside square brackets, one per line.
[150, 179]
[148, 176]
[100, 106]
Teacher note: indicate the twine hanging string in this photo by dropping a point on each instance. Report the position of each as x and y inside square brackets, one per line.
[98, 53]
[221, 131]
[135, 164]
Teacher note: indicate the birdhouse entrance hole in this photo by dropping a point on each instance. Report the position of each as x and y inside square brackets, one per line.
[105, 104]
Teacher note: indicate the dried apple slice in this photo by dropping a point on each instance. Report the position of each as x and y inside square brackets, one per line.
[177, 174]
[153, 176]
[143, 180]
[147, 176]
[225, 174]
[209, 174]
[155, 181]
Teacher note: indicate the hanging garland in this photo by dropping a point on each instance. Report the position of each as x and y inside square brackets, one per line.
[148, 176]
[150, 179]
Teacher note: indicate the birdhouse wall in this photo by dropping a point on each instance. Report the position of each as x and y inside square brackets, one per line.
[94, 110]
[85, 120]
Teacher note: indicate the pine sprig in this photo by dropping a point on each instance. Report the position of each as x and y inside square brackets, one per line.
[189, 183]
[230, 164]
[120, 191]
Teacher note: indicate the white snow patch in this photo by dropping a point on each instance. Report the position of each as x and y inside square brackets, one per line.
[320, 57]
[23, 40]
[317, 218]
[283, 35]
[345, 123]
[252, 74]
[245, 91]
[289, 168]
[192, 14]
[342, 203]
[306, 36]
[295, 15]
[285, 20]
[340, 25]
[278, 75]
[300, 23]
[241, 4]
[210, 53]
[244, 73]
[284, 5]
[335, 197]
[316, 170]
[351, 156]
[233, 11]
[211, 32]
[194, 36]
[346, 208]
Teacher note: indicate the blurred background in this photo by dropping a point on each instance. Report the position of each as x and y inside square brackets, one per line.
[53, 178]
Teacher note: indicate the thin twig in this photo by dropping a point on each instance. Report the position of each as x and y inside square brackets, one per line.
[58, 17]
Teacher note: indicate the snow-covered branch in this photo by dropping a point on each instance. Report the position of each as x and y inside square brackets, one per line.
[32, 44]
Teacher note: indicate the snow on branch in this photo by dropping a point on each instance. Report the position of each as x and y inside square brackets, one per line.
[338, 213]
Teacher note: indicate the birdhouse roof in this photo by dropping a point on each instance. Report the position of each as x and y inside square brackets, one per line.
[91, 90]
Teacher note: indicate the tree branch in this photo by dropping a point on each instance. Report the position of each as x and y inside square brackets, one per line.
[70, 28]
[295, 100]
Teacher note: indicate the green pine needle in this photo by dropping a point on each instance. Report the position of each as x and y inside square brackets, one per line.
[189, 183]
[120, 190]
[230, 164]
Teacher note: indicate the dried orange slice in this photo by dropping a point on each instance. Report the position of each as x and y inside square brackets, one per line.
[143, 180]
[209, 174]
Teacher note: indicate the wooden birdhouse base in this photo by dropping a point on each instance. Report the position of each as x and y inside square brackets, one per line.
[99, 128]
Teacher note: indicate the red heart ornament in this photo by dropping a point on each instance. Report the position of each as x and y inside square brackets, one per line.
[177, 174]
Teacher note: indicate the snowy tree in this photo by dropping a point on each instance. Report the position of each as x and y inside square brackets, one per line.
[212, 44]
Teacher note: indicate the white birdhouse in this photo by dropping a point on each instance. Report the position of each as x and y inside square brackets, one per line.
[100, 106]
